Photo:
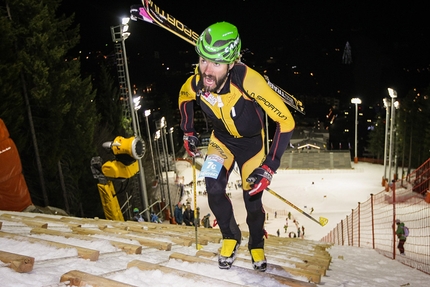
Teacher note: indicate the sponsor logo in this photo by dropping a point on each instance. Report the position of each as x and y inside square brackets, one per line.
[232, 46]
[270, 106]
[174, 22]
[219, 149]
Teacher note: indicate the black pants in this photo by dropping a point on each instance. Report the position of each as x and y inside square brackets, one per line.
[400, 246]
[248, 153]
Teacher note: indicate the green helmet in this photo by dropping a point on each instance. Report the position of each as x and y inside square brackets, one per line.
[136, 209]
[220, 43]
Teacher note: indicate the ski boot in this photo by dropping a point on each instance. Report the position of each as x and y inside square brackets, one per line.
[227, 253]
[259, 261]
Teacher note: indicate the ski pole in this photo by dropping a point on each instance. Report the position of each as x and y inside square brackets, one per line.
[322, 221]
[195, 201]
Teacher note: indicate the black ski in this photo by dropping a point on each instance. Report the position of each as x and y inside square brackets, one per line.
[151, 13]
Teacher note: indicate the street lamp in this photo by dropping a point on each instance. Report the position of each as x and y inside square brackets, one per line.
[393, 95]
[387, 104]
[120, 34]
[147, 114]
[356, 101]
[396, 106]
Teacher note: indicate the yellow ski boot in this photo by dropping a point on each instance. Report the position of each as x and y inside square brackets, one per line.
[227, 253]
[259, 261]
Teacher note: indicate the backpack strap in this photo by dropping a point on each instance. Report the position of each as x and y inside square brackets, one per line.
[198, 89]
[238, 81]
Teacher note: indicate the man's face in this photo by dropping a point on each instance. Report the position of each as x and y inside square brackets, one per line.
[213, 75]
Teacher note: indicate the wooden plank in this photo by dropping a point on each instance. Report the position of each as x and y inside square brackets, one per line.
[85, 253]
[127, 247]
[324, 255]
[19, 263]
[283, 280]
[306, 258]
[113, 230]
[286, 253]
[300, 265]
[157, 233]
[311, 275]
[152, 243]
[321, 270]
[27, 221]
[57, 220]
[203, 280]
[40, 219]
[210, 235]
[79, 278]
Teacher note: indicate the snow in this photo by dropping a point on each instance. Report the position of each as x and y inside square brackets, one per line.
[331, 193]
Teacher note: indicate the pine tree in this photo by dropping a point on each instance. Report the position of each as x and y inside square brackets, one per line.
[61, 102]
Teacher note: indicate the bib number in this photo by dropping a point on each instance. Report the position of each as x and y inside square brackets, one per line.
[211, 167]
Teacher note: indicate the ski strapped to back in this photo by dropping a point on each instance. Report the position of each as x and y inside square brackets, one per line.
[151, 13]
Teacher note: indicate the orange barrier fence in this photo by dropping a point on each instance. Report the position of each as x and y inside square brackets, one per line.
[371, 225]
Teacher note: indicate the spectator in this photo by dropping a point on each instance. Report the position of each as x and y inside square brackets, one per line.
[286, 225]
[188, 216]
[401, 236]
[206, 221]
[137, 216]
[303, 232]
[178, 214]
[277, 232]
[154, 218]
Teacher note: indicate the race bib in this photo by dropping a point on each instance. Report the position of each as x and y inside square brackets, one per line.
[212, 166]
[210, 98]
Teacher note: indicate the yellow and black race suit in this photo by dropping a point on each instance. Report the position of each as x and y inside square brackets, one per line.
[237, 115]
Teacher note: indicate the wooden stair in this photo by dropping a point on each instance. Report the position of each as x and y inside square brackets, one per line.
[301, 262]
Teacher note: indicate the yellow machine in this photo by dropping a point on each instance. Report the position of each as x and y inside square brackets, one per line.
[126, 151]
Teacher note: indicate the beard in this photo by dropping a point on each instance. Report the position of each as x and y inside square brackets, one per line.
[218, 81]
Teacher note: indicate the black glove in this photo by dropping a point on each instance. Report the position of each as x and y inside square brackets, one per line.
[259, 179]
[190, 143]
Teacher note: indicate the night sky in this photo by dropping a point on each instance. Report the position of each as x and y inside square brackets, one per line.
[390, 44]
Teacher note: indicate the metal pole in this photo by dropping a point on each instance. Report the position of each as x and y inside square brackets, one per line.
[166, 168]
[394, 220]
[356, 101]
[134, 124]
[160, 170]
[173, 148]
[147, 113]
[391, 140]
[166, 147]
[356, 124]
[387, 118]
